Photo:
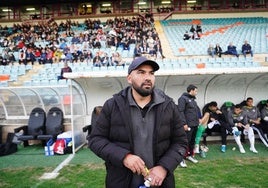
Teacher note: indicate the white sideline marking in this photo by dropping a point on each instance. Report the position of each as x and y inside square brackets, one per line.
[55, 172]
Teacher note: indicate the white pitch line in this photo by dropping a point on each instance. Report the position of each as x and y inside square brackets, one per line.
[55, 172]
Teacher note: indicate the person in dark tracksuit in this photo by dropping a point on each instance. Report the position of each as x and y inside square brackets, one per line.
[190, 114]
[138, 132]
[237, 118]
[254, 118]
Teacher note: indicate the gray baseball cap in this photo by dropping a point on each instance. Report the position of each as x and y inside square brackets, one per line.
[142, 61]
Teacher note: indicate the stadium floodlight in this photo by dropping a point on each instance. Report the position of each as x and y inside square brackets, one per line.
[106, 4]
[30, 9]
[191, 1]
[141, 3]
[6, 10]
[166, 2]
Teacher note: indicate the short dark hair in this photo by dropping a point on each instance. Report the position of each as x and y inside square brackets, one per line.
[238, 106]
[213, 103]
[249, 98]
[191, 87]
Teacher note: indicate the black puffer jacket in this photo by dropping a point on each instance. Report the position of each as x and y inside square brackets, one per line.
[188, 110]
[111, 139]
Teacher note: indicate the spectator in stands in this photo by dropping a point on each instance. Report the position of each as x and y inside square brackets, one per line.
[64, 69]
[195, 36]
[5, 58]
[49, 56]
[68, 56]
[29, 56]
[117, 59]
[186, 36]
[238, 119]
[231, 50]
[218, 50]
[137, 51]
[246, 49]
[109, 41]
[97, 60]
[124, 43]
[152, 51]
[211, 50]
[4, 42]
[88, 55]
[105, 60]
[75, 39]
[44, 36]
[264, 119]
[37, 55]
[57, 55]
[43, 57]
[97, 44]
[1, 60]
[63, 44]
[11, 57]
[159, 51]
[21, 44]
[192, 29]
[22, 57]
[198, 28]
[76, 56]
[144, 48]
[254, 119]
[116, 43]
[189, 113]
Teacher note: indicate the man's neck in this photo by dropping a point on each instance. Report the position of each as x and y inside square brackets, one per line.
[140, 100]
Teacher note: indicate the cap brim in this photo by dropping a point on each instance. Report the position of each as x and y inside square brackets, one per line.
[142, 61]
[152, 63]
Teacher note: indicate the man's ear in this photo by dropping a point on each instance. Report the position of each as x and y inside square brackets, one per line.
[129, 79]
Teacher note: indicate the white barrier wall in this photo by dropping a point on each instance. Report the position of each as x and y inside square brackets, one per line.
[220, 85]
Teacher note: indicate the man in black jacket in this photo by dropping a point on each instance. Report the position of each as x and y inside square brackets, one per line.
[138, 133]
[190, 114]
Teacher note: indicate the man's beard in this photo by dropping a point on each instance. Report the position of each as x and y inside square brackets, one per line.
[143, 92]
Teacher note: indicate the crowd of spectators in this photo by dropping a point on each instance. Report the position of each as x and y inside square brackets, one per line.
[195, 31]
[231, 50]
[90, 41]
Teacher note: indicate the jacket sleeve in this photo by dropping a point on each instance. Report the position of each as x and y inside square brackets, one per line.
[99, 141]
[178, 144]
[181, 108]
[264, 114]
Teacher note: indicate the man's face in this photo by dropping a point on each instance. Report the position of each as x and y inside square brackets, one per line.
[250, 102]
[237, 110]
[142, 80]
[193, 92]
[213, 108]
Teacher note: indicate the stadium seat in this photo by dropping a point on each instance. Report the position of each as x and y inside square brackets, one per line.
[4, 83]
[54, 124]
[35, 127]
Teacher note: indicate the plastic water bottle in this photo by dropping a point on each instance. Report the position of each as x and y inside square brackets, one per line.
[146, 184]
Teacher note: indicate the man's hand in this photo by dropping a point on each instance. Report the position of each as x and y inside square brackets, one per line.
[218, 112]
[255, 121]
[186, 128]
[135, 164]
[157, 175]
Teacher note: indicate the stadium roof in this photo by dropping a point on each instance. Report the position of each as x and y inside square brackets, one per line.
[40, 2]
